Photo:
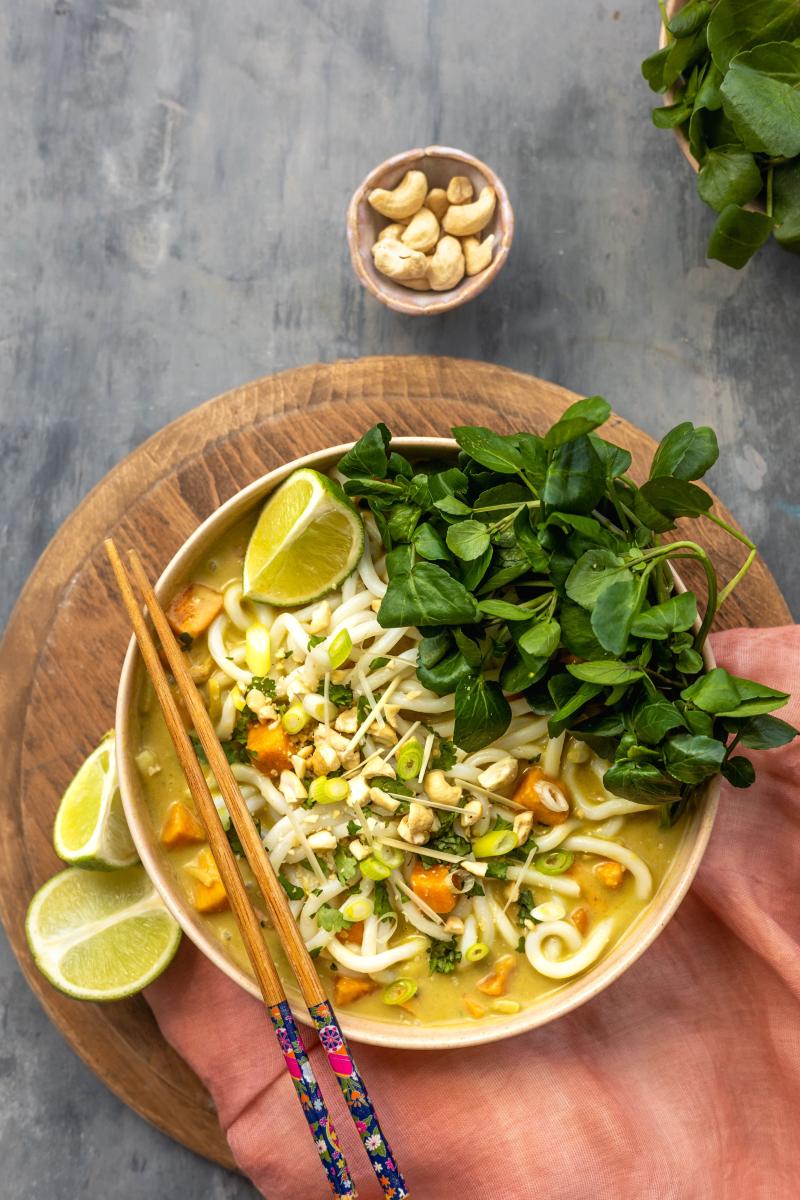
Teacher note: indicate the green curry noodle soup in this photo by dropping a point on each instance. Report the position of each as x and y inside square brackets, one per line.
[470, 761]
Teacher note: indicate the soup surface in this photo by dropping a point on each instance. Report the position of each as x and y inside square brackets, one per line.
[431, 885]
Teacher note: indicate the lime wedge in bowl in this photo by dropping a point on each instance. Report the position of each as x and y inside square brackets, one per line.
[308, 539]
[90, 829]
[100, 935]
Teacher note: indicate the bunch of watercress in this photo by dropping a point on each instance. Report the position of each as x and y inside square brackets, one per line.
[537, 566]
[734, 71]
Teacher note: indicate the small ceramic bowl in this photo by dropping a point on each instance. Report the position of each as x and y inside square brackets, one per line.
[462, 1032]
[440, 164]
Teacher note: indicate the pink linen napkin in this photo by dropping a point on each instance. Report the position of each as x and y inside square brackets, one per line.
[679, 1082]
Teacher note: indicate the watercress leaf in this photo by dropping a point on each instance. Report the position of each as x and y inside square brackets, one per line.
[507, 566]
[655, 719]
[534, 457]
[482, 713]
[430, 544]
[686, 452]
[737, 235]
[683, 54]
[715, 692]
[521, 671]
[504, 610]
[427, 595]
[673, 615]
[736, 25]
[689, 661]
[692, 757]
[709, 95]
[541, 639]
[577, 633]
[729, 175]
[368, 456]
[650, 516]
[442, 677]
[613, 613]
[588, 526]
[761, 95]
[398, 465]
[569, 705]
[528, 542]
[399, 561]
[600, 734]
[670, 116]
[402, 521]
[419, 491]
[615, 460]
[739, 771]
[575, 479]
[608, 674]
[452, 506]
[581, 417]
[468, 539]
[593, 573]
[490, 449]
[447, 483]
[379, 489]
[764, 732]
[675, 497]
[433, 649]
[469, 648]
[786, 194]
[504, 495]
[653, 69]
[473, 572]
[699, 722]
[641, 782]
[689, 19]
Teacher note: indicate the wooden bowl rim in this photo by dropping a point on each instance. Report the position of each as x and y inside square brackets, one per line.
[468, 288]
[636, 939]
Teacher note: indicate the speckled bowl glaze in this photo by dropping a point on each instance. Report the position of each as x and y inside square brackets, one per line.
[644, 930]
[440, 164]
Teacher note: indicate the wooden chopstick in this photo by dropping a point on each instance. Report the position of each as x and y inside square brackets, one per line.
[321, 1012]
[286, 1031]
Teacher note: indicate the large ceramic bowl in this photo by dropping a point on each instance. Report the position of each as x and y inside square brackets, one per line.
[635, 940]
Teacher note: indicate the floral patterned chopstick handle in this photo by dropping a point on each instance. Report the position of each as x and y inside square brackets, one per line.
[361, 1110]
[310, 1097]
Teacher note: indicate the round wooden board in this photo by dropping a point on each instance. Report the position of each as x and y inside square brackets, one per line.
[61, 655]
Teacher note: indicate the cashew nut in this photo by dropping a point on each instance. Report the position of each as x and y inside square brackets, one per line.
[398, 261]
[416, 285]
[499, 773]
[439, 790]
[395, 231]
[477, 254]
[523, 823]
[470, 813]
[422, 232]
[464, 219]
[405, 199]
[416, 824]
[446, 264]
[436, 200]
[460, 190]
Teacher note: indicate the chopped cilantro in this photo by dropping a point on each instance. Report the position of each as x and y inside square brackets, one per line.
[445, 756]
[526, 904]
[292, 890]
[362, 709]
[233, 837]
[394, 787]
[353, 828]
[377, 663]
[340, 694]
[265, 685]
[521, 946]
[443, 957]
[316, 952]
[331, 919]
[198, 749]
[380, 900]
[346, 865]
[316, 639]
[477, 889]
[497, 869]
[502, 823]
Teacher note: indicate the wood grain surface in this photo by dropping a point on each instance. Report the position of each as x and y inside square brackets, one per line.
[62, 652]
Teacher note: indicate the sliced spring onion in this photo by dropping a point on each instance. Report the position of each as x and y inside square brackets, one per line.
[357, 908]
[373, 868]
[495, 843]
[554, 863]
[389, 856]
[409, 760]
[400, 992]
[326, 790]
[295, 719]
[237, 698]
[258, 654]
[476, 952]
[340, 648]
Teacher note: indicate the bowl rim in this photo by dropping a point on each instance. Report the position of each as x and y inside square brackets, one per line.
[564, 999]
[468, 288]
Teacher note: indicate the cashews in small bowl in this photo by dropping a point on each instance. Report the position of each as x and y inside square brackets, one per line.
[462, 226]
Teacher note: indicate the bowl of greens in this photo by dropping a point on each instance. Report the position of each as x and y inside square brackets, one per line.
[730, 76]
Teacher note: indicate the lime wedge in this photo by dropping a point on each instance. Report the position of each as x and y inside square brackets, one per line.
[308, 539]
[100, 936]
[90, 829]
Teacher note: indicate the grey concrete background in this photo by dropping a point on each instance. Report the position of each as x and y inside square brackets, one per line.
[174, 182]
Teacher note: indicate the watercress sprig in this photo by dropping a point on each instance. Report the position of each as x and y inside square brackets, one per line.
[536, 565]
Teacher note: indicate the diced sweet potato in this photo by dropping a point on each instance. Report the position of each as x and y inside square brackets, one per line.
[430, 884]
[271, 748]
[580, 919]
[347, 990]
[610, 873]
[181, 827]
[474, 1009]
[496, 982]
[527, 794]
[193, 609]
[209, 894]
[354, 934]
